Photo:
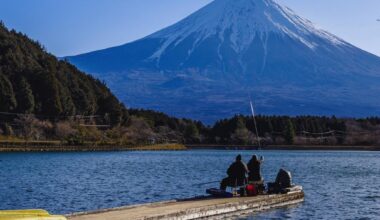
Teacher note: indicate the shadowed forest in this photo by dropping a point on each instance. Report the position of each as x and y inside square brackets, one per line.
[142, 127]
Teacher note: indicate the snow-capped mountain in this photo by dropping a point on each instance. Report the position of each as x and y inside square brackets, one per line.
[207, 65]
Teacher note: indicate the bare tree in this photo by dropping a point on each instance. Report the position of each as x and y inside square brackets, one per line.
[33, 129]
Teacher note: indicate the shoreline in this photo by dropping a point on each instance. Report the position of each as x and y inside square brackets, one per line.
[56, 146]
[286, 147]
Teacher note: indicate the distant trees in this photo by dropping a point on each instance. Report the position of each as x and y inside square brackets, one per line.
[289, 132]
[7, 97]
[48, 94]
[64, 130]
[191, 133]
[241, 134]
[138, 132]
[149, 127]
[26, 102]
[113, 109]
[30, 128]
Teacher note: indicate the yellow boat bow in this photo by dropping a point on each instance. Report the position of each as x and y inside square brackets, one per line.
[34, 214]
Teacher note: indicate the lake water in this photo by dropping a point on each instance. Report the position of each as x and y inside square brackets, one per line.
[338, 185]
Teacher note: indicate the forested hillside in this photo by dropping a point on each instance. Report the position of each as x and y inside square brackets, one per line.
[34, 81]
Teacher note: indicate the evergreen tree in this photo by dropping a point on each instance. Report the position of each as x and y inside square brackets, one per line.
[241, 134]
[25, 98]
[191, 133]
[289, 132]
[49, 94]
[7, 97]
[112, 108]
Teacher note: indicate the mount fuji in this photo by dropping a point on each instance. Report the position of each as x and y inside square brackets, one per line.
[207, 66]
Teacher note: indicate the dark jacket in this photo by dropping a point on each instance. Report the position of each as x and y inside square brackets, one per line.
[237, 171]
[254, 167]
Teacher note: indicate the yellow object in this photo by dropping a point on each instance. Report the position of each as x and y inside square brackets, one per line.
[37, 214]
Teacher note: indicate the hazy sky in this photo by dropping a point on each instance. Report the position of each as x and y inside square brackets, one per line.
[68, 27]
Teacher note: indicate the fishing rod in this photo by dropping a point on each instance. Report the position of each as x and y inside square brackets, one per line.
[254, 121]
[202, 184]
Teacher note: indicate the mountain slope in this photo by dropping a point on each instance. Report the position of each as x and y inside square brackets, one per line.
[207, 65]
[33, 81]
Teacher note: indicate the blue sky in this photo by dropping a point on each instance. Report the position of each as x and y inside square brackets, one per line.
[68, 27]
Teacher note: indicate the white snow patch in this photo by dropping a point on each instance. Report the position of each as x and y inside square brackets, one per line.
[242, 19]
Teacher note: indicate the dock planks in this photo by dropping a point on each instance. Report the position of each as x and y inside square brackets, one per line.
[194, 209]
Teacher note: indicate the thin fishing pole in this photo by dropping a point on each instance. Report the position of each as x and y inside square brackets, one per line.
[201, 184]
[254, 121]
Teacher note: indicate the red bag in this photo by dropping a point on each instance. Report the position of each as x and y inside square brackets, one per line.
[251, 190]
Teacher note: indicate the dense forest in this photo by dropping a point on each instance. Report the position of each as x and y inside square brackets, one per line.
[301, 130]
[34, 81]
[43, 98]
[272, 130]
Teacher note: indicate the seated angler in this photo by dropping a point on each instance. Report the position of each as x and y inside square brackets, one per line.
[254, 167]
[236, 174]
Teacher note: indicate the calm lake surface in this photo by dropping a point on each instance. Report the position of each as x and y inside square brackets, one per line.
[338, 185]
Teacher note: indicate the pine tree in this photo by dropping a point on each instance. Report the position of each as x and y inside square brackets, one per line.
[191, 133]
[49, 94]
[7, 97]
[25, 98]
[111, 107]
[241, 134]
[289, 132]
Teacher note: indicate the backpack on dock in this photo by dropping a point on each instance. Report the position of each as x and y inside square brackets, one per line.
[251, 190]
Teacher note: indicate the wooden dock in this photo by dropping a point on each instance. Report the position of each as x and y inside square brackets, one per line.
[210, 208]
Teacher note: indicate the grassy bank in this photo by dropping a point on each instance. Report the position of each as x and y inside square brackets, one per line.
[159, 147]
[285, 147]
[57, 146]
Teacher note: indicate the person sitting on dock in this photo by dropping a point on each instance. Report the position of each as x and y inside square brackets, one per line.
[254, 167]
[236, 174]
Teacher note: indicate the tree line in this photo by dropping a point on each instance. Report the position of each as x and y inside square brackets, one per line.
[150, 127]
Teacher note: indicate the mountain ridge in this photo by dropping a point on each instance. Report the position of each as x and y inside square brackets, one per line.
[219, 55]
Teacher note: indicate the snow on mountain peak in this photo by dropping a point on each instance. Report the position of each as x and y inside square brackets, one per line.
[204, 66]
[241, 21]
